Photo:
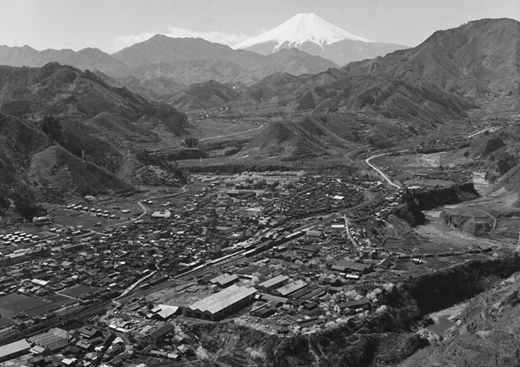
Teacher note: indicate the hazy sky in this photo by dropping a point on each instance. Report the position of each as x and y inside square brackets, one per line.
[114, 24]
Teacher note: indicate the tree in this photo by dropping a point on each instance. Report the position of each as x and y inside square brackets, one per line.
[4, 201]
[25, 204]
[191, 142]
[52, 127]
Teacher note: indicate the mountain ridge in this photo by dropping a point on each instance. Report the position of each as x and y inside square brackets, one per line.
[147, 67]
[475, 59]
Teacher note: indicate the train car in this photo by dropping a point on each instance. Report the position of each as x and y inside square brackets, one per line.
[250, 246]
[250, 252]
[289, 237]
[191, 266]
[220, 259]
[159, 280]
[144, 286]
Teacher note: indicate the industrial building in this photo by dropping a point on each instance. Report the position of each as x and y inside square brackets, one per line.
[14, 350]
[274, 282]
[291, 288]
[51, 342]
[221, 304]
[224, 280]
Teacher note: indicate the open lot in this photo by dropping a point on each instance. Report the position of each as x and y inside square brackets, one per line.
[14, 304]
[77, 291]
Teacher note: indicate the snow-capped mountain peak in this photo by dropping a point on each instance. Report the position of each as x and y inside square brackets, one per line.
[300, 29]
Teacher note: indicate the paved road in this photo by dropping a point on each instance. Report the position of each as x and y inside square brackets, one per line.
[145, 209]
[385, 177]
[490, 129]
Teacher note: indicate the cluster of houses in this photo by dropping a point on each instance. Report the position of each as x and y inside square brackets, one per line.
[87, 346]
[302, 279]
[17, 238]
[296, 196]
[96, 211]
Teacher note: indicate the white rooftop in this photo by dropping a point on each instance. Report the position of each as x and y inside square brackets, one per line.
[225, 298]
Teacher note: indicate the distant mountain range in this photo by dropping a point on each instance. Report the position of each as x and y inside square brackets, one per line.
[162, 65]
[432, 82]
[160, 62]
[86, 59]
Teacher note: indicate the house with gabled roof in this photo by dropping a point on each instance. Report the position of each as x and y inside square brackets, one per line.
[158, 334]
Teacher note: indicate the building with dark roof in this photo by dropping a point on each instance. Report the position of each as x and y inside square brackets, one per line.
[311, 322]
[291, 288]
[224, 280]
[274, 282]
[158, 334]
[88, 332]
[264, 311]
[362, 303]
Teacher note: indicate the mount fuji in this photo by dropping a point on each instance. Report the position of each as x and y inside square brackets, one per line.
[316, 36]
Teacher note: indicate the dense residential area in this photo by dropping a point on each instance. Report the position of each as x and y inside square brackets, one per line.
[287, 253]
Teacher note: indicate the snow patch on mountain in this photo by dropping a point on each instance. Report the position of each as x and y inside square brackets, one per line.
[300, 29]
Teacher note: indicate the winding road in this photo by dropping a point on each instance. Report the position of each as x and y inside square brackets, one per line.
[385, 177]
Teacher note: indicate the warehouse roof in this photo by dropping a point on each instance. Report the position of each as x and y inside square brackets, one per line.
[49, 341]
[291, 287]
[274, 281]
[14, 348]
[167, 311]
[223, 299]
[224, 279]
